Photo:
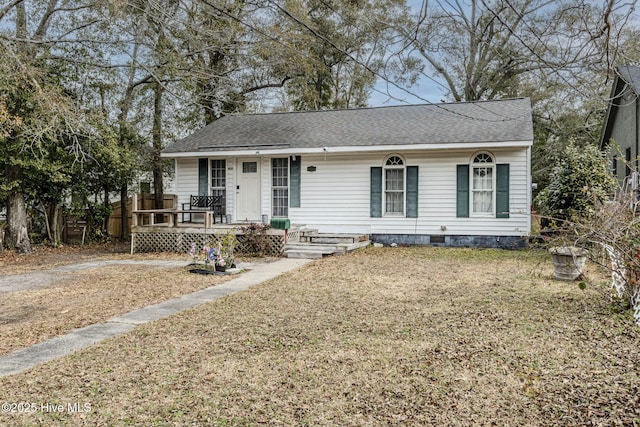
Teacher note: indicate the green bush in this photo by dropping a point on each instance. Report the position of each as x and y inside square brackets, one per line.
[580, 179]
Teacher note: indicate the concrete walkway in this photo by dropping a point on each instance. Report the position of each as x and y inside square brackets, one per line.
[26, 358]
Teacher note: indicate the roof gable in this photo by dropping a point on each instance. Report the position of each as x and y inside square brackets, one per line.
[469, 122]
[627, 76]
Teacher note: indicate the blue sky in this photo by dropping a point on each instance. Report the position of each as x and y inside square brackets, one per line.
[427, 90]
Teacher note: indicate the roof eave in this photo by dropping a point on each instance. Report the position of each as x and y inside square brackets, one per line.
[349, 149]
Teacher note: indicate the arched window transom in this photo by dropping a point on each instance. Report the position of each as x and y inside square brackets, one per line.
[394, 161]
[483, 158]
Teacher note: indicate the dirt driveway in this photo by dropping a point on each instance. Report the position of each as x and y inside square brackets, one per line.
[48, 277]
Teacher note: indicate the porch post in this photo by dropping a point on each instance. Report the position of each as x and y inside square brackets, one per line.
[134, 209]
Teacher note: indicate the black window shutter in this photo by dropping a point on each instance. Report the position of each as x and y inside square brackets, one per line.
[294, 181]
[462, 190]
[502, 191]
[412, 191]
[376, 192]
[203, 177]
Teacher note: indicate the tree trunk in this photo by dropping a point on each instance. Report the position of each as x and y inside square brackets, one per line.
[107, 206]
[17, 235]
[54, 225]
[156, 161]
[124, 212]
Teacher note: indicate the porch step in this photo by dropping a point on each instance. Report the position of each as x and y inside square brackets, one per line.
[331, 238]
[316, 245]
[303, 254]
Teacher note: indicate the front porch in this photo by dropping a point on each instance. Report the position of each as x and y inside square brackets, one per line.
[165, 230]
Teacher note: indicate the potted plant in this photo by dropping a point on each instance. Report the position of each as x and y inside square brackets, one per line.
[209, 258]
[220, 262]
[216, 259]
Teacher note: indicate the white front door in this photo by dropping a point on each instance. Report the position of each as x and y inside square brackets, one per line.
[248, 190]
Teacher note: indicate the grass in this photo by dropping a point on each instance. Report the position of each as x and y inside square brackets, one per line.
[90, 296]
[404, 336]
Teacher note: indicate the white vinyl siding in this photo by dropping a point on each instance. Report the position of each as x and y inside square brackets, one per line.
[336, 195]
[186, 179]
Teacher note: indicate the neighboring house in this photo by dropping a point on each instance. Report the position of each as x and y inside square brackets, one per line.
[622, 122]
[447, 174]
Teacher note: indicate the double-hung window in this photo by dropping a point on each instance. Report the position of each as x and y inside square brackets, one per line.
[280, 187]
[482, 184]
[219, 178]
[394, 186]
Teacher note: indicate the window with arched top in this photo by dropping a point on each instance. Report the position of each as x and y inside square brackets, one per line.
[482, 184]
[394, 185]
[482, 187]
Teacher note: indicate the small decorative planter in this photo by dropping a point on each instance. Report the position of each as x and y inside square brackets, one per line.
[568, 262]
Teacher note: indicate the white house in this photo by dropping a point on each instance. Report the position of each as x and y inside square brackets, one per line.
[453, 174]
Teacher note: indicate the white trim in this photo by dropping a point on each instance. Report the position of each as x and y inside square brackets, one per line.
[272, 187]
[351, 149]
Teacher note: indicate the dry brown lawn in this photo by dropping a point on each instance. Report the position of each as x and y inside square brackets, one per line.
[45, 257]
[85, 297]
[391, 336]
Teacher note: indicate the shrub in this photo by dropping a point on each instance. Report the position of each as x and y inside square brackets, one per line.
[587, 210]
[255, 239]
[580, 180]
[612, 235]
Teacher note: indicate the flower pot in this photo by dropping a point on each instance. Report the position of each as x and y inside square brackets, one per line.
[221, 267]
[568, 262]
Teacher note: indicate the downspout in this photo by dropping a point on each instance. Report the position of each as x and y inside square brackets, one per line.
[636, 196]
[528, 156]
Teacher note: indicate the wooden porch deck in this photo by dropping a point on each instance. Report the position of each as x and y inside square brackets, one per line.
[160, 231]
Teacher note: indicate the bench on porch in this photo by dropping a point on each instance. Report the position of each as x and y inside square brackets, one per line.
[202, 204]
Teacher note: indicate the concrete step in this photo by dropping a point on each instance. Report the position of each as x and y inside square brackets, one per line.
[303, 254]
[307, 250]
[303, 246]
[332, 238]
[315, 250]
[304, 231]
[345, 248]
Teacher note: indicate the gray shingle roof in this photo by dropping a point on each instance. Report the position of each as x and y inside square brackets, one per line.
[468, 122]
[631, 75]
